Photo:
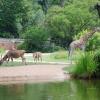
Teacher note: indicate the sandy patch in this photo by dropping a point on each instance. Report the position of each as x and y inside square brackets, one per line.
[32, 73]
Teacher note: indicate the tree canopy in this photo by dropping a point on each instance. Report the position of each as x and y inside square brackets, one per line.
[59, 20]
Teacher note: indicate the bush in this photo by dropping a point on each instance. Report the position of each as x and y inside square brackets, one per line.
[21, 46]
[85, 66]
[94, 42]
[97, 60]
[5, 34]
[35, 38]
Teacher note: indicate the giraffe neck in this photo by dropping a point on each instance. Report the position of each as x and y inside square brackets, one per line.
[82, 41]
[88, 35]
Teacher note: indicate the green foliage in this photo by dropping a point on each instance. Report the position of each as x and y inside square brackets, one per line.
[21, 46]
[64, 23]
[5, 34]
[35, 38]
[85, 66]
[97, 60]
[39, 18]
[15, 16]
[58, 23]
[8, 12]
[94, 42]
[82, 33]
[97, 56]
[63, 20]
[2, 50]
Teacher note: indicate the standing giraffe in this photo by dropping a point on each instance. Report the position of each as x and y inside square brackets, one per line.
[81, 43]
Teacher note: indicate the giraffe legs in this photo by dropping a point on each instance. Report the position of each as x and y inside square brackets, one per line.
[72, 49]
[71, 53]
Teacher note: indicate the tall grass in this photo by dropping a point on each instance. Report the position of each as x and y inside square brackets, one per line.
[97, 60]
[85, 66]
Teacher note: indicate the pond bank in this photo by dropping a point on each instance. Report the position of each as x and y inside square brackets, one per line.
[33, 73]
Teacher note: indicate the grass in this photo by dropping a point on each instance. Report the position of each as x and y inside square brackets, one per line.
[84, 66]
[60, 56]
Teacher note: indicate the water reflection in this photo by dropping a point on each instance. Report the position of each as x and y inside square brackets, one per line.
[68, 90]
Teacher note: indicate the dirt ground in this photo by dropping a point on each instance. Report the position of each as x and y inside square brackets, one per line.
[33, 73]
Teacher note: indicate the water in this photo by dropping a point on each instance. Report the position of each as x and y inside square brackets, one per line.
[68, 90]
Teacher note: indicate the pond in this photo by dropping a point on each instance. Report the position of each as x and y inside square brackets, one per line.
[68, 90]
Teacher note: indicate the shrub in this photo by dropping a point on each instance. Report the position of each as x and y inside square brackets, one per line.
[85, 66]
[97, 60]
[94, 42]
[21, 46]
[5, 35]
[35, 38]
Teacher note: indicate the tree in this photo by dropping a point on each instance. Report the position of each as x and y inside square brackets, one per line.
[97, 7]
[35, 38]
[14, 14]
[44, 4]
[64, 23]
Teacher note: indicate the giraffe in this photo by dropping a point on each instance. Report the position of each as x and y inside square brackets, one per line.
[37, 56]
[81, 42]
